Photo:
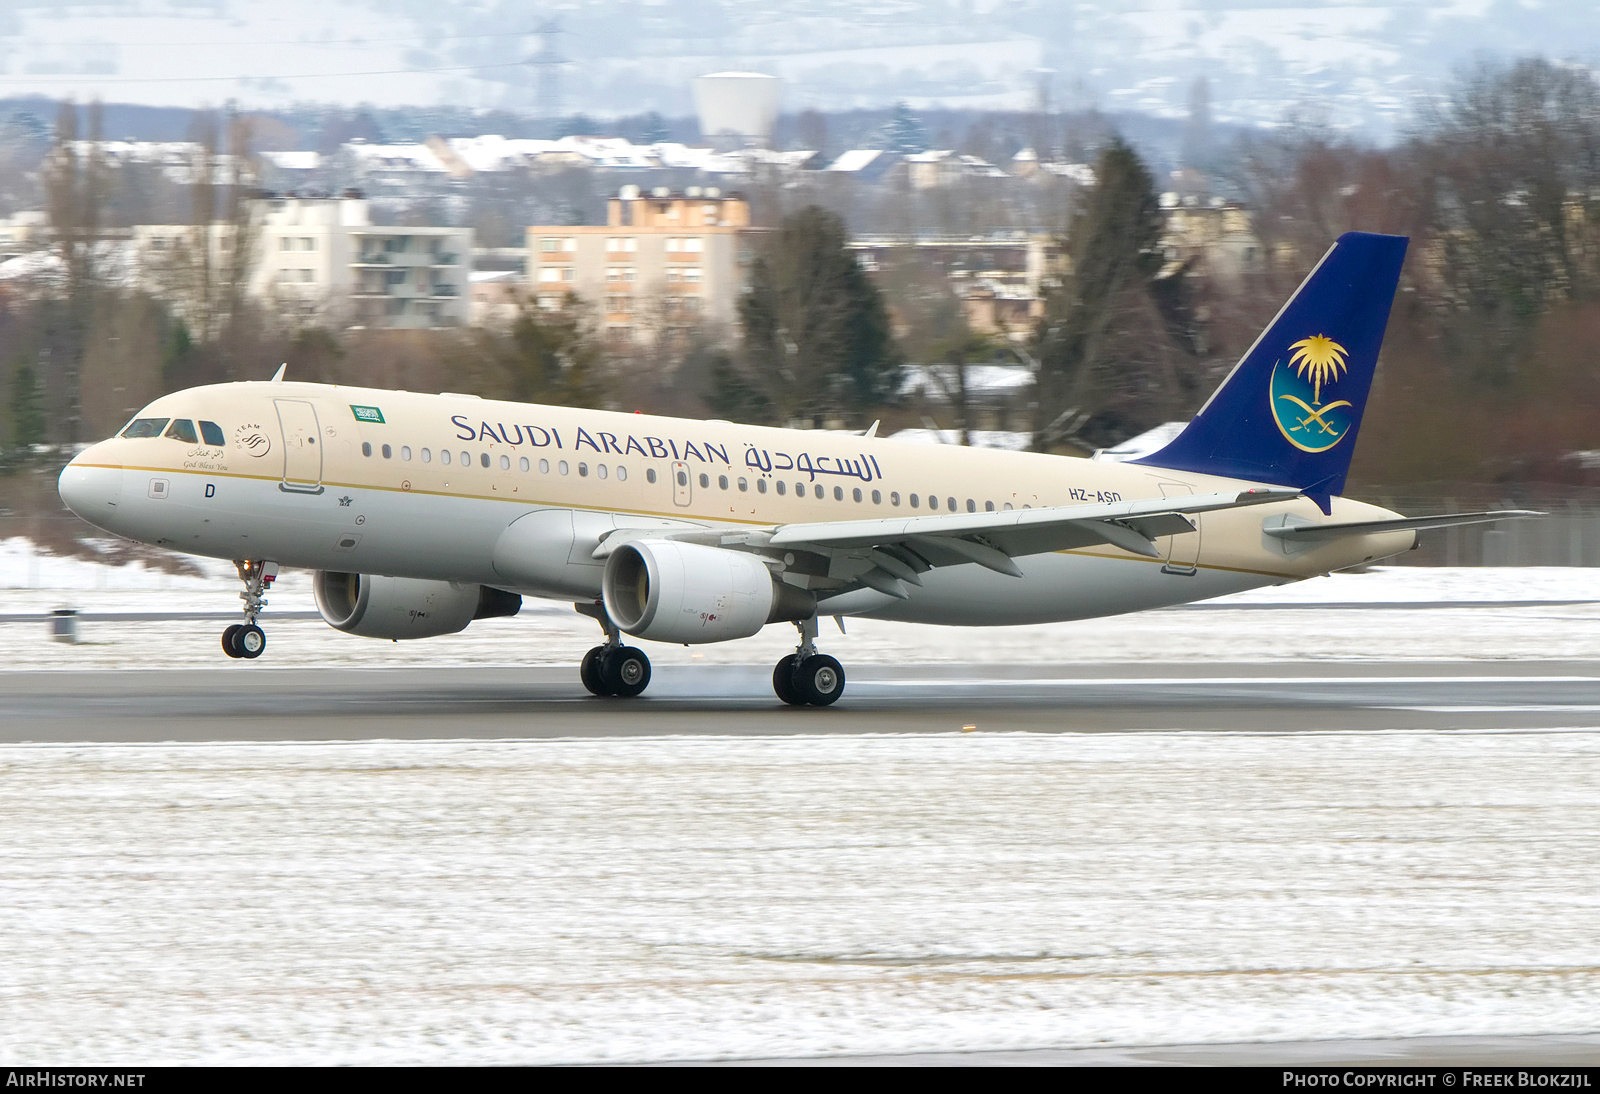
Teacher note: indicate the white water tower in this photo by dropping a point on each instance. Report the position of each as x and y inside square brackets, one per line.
[737, 109]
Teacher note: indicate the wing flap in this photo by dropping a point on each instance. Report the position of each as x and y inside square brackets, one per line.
[1031, 531]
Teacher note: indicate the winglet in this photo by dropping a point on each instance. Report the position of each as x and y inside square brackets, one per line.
[871, 430]
[278, 376]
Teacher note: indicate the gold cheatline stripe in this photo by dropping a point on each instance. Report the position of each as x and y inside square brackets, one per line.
[1084, 551]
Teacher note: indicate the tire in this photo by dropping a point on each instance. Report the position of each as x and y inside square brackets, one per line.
[626, 671]
[783, 681]
[589, 671]
[251, 641]
[230, 638]
[820, 680]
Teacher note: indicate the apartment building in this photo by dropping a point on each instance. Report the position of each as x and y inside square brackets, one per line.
[663, 262]
[323, 256]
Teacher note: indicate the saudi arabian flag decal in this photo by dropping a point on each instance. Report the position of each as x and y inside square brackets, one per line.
[367, 414]
[1313, 370]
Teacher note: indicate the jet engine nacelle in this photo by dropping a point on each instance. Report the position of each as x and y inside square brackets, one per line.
[666, 591]
[403, 607]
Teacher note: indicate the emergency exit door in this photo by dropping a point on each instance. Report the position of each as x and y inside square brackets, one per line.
[302, 447]
[1183, 551]
[682, 484]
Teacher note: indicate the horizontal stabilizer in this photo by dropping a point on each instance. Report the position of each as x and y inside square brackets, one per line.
[1298, 529]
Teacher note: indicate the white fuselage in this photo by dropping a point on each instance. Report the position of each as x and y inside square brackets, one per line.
[518, 496]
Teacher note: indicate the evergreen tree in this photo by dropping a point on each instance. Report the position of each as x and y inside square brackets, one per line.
[28, 425]
[904, 133]
[1110, 365]
[816, 332]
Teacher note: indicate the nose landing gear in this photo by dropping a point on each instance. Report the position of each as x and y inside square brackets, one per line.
[612, 668]
[806, 677]
[246, 639]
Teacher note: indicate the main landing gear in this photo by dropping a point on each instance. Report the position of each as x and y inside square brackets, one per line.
[806, 677]
[246, 639]
[612, 668]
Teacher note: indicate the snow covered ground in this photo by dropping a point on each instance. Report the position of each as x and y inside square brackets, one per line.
[691, 897]
[683, 897]
[545, 633]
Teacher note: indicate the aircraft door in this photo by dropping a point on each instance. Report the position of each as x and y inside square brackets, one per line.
[682, 484]
[302, 447]
[1183, 551]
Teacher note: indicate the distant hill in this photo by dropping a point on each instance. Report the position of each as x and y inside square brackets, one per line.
[1357, 65]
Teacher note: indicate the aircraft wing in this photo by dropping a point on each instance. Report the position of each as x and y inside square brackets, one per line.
[1299, 530]
[902, 547]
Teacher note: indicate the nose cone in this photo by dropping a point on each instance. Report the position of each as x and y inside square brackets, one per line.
[91, 487]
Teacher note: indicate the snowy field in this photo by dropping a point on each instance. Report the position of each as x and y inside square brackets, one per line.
[695, 897]
[552, 634]
[615, 900]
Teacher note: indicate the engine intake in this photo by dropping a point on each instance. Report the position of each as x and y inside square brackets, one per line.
[667, 591]
[404, 607]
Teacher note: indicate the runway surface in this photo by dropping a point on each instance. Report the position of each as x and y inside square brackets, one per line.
[267, 704]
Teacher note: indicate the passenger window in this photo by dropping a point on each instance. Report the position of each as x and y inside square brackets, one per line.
[761, 485]
[744, 486]
[683, 478]
[366, 448]
[466, 459]
[650, 475]
[800, 489]
[914, 502]
[583, 471]
[522, 464]
[722, 481]
[877, 498]
[182, 429]
[782, 488]
[1007, 506]
[705, 480]
[212, 433]
[145, 427]
[405, 452]
[444, 457]
[561, 468]
[427, 455]
[988, 507]
[933, 501]
[600, 469]
[483, 458]
[856, 493]
[622, 473]
[838, 493]
[505, 463]
[544, 467]
[950, 504]
[972, 506]
[894, 497]
[388, 453]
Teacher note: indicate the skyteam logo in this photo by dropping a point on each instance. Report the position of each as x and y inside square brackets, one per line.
[1315, 365]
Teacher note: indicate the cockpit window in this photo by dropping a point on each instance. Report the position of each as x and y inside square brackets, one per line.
[145, 427]
[211, 432]
[182, 429]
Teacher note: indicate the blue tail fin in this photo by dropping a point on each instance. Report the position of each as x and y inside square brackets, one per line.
[1289, 411]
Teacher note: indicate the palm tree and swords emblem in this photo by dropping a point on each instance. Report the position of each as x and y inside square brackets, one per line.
[1312, 426]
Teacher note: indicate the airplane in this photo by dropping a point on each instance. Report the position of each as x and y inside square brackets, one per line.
[420, 513]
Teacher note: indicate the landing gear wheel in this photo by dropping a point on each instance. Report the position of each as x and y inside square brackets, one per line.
[250, 641]
[626, 671]
[230, 638]
[820, 680]
[783, 681]
[589, 671]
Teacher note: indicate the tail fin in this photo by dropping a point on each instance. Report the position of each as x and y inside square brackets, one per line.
[1289, 411]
